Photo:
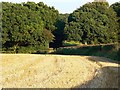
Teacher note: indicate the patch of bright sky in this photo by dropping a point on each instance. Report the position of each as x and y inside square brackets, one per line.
[63, 6]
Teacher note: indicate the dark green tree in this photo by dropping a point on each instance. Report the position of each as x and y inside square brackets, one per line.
[92, 23]
[116, 7]
[59, 32]
[24, 29]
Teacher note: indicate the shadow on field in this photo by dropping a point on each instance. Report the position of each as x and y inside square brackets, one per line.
[101, 59]
[107, 77]
[108, 51]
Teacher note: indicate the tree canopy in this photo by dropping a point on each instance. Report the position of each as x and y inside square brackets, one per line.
[92, 23]
[30, 27]
[116, 8]
[27, 26]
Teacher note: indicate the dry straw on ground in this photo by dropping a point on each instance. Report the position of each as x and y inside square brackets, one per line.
[57, 71]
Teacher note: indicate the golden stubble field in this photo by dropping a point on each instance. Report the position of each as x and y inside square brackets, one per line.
[57, 71]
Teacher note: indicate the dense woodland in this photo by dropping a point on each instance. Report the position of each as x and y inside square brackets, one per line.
[31, 27]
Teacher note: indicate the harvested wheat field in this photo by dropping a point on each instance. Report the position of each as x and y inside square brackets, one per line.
[57, 71]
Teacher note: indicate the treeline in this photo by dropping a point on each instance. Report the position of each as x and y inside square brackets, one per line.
[31, 27]
[27, 27]
[92, 23]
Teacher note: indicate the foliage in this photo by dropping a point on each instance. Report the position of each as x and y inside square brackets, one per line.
[59, 32]
[108, 51]
[27, 27]
[92, 23]
[71, 43]
[30, 27]
[116, 8]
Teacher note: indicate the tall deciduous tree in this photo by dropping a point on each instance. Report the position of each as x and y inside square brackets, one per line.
[92, 23]
[116, 7]
[24, 28]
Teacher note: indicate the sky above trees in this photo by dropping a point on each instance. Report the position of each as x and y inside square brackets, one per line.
[64, 6]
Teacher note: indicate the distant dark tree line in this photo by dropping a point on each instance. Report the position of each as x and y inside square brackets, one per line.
[31, 27]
